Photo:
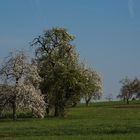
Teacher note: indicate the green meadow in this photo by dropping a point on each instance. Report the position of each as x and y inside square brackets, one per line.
[99, 121]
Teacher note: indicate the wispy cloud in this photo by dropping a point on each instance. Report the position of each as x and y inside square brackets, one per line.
[35, 4]
[131, 8]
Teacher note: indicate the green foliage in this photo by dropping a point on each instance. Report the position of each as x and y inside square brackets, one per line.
[64, 80]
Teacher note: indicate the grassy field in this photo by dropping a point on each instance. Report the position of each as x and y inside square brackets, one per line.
[100, 121]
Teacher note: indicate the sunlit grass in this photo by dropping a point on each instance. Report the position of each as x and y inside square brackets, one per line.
[98, 121]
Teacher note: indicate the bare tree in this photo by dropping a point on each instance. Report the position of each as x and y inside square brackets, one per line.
[109, 97]
[129, 88]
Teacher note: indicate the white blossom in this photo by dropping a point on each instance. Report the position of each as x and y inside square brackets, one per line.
[21, 75]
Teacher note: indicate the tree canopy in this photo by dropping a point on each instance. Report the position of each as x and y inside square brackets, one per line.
[62, 72]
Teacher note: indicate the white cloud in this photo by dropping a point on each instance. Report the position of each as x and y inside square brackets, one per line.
[36, 4]
[37, 7]
[131, 8]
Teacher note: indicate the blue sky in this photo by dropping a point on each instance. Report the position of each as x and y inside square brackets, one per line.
[107, 32]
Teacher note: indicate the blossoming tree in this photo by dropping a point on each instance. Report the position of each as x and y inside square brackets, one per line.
[93, 85]
[20, 85]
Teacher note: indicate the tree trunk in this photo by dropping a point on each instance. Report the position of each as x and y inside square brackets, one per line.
[47, 110]
[14, 103]
[127, 101]
[56, 113]
[1, 113]
[87, 103]
[62, 112]
[124, 99]
[14, 110]
[87, 99]
[59, 111]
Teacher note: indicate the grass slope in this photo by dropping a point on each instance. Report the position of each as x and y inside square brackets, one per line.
[100, 121]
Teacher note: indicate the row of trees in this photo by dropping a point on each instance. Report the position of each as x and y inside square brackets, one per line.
[54, 80]
[130, 89]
